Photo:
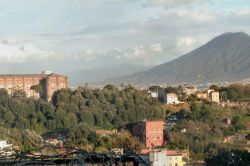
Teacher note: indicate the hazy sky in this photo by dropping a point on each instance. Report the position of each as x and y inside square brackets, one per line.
[65, 35]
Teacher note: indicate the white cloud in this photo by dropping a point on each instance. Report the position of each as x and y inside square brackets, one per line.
[201, 16]
[156, 47]
[185, 41]
[140, 54]
[172, 3]
[244, 12]
[136, 52]
[89, 54]
[14, 51]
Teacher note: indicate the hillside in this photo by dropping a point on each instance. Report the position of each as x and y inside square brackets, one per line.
[102, 73]
[224, 58]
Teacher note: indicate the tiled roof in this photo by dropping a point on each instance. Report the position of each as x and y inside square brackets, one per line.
[30, 75]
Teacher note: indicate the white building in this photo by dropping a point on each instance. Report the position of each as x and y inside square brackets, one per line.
[3, 144]
[213, 96]
[172, 98]
[163, 158]
[153, 94]
[158, 158]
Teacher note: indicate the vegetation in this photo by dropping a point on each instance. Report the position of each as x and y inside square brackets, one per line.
[229, 157]
[206, 130]
[78, 112]
[234, 92]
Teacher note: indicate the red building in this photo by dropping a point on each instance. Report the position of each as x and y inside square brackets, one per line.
[151, 133]
[49, 83]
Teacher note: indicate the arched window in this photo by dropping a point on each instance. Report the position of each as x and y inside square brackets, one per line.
[176, 164]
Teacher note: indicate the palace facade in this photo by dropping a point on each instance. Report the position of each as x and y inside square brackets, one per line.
[34, 85]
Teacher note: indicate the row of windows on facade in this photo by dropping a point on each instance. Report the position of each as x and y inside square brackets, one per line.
[28, 85]
[155, 139]
[153, 135]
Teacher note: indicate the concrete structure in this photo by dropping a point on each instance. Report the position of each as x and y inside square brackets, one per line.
[165, 158]
[150, 132]
[158, 158]
[153, 94]
[214, 96]
[3, 144]
[47, 81]
[172, 98]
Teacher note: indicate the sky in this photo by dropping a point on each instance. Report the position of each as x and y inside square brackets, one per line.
[72, 35]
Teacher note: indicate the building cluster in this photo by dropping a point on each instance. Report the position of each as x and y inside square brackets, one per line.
[151, 133]
[34, 85]
[187, 90]
[209, 95]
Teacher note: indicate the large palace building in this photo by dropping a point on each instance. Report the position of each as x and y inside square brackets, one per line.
[34, 85]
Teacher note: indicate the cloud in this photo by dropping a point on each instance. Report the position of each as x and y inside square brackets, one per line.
[156, 47]
[140, 54]
[14, 51]
[200, 16]
[173, 3]
[89, 55]
[185, 41]
[244, 12]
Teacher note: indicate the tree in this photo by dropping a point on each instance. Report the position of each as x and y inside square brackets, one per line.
[126, 141]
[37, 88]
[238, 123]
[229, 157]
[214, 87]
[18, 93]
[9, 117]
[70, 120]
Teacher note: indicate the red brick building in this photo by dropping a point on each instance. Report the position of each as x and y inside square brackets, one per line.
[49, 83]
[151, 133]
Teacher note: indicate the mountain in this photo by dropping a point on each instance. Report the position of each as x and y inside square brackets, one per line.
[102, 73]
[224, 58]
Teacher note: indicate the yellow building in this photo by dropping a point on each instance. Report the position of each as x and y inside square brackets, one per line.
[202, 95]
[175, 160]
[166, 158]
[214, 97]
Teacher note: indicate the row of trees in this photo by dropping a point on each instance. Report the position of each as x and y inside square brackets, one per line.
[106, 108]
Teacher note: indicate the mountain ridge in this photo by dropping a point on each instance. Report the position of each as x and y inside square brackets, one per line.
[224, 58]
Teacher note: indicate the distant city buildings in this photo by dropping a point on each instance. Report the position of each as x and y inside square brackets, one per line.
[189, 89]
[209, 95]
[34, 85]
